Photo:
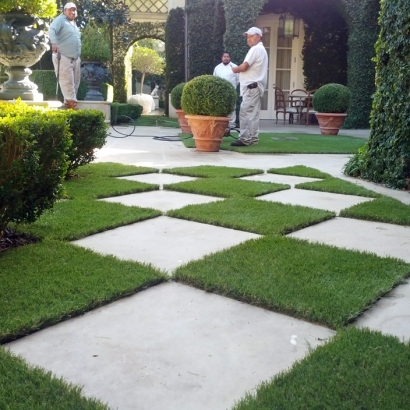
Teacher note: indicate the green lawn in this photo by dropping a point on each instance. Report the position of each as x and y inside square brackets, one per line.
[52, 280]
[275, 143]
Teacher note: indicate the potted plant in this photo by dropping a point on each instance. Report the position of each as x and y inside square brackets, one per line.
[331, 102]
[176, 96]
[207, 101]
[95, 54]
[23, 41]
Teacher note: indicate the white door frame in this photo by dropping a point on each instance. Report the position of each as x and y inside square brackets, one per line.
[271, 21]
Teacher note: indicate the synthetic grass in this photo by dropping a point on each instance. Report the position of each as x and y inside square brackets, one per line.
[358, 369]
[157, 121]
[299, 171]
[49, 281]
[337, 186]
[225, 188]
[24, 387]
[251, 215]
[98, 181]
[209, 171]
[382, 209]
[275, 143]
[75, 219]
[318, 283]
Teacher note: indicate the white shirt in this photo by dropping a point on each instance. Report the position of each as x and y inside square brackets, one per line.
[257, 58]
[225, 71]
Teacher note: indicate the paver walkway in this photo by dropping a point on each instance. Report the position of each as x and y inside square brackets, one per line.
[176, 347]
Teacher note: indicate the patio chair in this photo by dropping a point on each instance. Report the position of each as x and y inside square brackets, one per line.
[309, 106]
[298, 99]
[283, 106]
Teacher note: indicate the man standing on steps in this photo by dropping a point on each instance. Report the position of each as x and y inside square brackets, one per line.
[253, 77]
[224, 70]
[66, 45]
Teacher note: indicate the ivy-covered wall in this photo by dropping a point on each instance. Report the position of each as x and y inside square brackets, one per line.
[124, 37]
[206, 26]
[386, 157]
[174, 52]
[363, 31]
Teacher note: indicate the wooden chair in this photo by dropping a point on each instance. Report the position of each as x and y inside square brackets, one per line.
[309, 106]
[298, 99]
[283, 106]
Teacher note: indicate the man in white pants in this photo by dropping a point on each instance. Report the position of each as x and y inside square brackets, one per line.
[66, 45]
[224, 70]
[253, 77]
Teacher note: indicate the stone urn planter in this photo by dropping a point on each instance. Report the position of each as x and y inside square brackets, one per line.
[183, 122]
[207, 131]
[23, 42]
[93, 74]
[330, 123]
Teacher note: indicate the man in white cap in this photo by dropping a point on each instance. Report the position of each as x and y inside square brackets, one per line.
[66, 45]
[224, 70]
[253, 77]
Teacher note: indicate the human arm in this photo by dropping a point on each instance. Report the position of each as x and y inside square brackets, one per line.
[241, 68]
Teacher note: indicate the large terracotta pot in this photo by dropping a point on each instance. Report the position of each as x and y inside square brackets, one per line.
[183, 122]
[207, 131]
[330, 123]
[23, 41]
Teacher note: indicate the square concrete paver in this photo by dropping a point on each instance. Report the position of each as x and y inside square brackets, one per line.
[171, 347]
[280, 179]
[164, 242]
[391, 314]
[162, 200]
[159, 178]
[376, 237]
[315, 199]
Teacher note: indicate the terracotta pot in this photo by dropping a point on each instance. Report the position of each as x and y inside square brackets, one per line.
[330, 123]
[207, 131]
[183, 123]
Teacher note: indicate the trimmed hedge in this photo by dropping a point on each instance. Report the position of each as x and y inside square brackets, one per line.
[33, 162]
[89, 131]
[208, 95]
[331, 98]
[124, 109]
[176, 96]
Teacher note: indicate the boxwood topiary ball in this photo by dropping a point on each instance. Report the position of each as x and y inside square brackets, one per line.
[209, 95]
[176, 95]
[331, 98]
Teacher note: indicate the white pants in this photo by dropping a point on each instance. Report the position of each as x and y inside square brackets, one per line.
[69, 75]
[232, 119]
[249, 116]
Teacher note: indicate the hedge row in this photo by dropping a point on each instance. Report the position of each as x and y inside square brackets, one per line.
[38, 149]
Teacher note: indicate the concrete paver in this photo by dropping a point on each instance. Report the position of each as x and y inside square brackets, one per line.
[159, 179]
[314, 199]
[163, 201]
[171, 347]
[375, 237]
[164, 242]
[176, 347]
[280, 179]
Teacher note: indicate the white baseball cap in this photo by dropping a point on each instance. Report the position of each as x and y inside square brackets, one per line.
[252, 31]
[70, 6]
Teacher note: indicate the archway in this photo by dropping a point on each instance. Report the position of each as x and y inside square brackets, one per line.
[123, 38]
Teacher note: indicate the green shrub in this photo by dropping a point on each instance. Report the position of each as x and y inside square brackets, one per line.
[95, 44]
[89, 131]
[176, 96]
[33, 162]
[119, 110]
[332, 98]
[208, 95]
[40, 8]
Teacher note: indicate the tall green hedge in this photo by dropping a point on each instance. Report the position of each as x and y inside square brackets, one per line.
[363, 31]
[174, 51]
[386, 157]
